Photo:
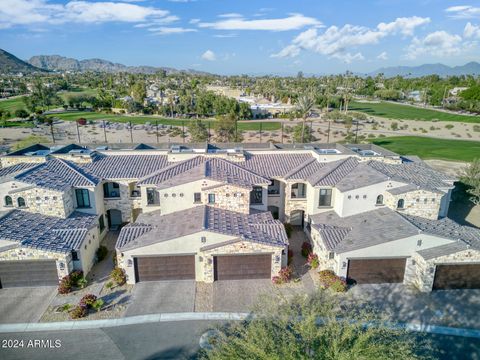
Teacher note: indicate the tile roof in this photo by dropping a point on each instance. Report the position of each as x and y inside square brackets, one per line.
[126, 166]
[366, 229]
[403, 189]
[12, 170]
[151, 228]
[413, 173]
[333, 172]
[442, 250]
[331, 235]
[43, 232]
[57, 174]
[274, 165]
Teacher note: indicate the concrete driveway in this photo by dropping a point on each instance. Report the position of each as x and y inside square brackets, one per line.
[239, 295]
[152, 297]
[24, 305]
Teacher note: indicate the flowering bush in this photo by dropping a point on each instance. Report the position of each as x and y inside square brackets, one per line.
[78, 312]
[312, 260]
[75, 277]
[284, 276]
[329, 280]
[65, 285]
[118, 276]
[88, 301]
[277, 280]
[306, 249]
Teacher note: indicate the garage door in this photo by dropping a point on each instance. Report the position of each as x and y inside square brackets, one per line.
[457, 277]
[28, 273]
[154, 268]
[236, 267]
[376, 271]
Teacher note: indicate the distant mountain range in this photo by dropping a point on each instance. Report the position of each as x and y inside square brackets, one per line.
[11, 64]
[61, 63]
[471, 68]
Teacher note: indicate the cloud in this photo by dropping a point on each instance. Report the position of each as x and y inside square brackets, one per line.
[337, 42]
[170, 30]
[463, 12]
[225, 36]
[438, 43]
[292, 22]
[471, 31]
[230, 15]
[194, 21]
[209, 55]
[382, 56]
[34, 12]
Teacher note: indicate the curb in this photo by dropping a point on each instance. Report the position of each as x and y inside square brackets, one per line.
[212, 316]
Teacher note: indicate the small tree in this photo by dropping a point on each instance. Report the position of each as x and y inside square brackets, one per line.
[198, 131]
[21, 113]
[471, 178]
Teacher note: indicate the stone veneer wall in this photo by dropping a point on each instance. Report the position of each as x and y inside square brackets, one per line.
[242, 247]
[323, 254]
[24, 253]
[293, 204]
[421, 273]
[125, 203]
[45, 201]
[78, 159]
[427, 209]
[6, 161]
[229, 197]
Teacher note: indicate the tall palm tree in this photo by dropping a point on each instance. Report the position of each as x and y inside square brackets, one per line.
[305, 104]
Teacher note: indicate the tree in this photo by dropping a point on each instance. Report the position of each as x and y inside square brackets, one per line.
[198, 131]
[301, 134]
[21, 113]
[226, 129]
[471, 178]
[315, 327]
[304, 106]
[139, 92]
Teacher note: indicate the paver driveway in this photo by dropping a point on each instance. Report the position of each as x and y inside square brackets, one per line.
[25, 304]
[152, 297]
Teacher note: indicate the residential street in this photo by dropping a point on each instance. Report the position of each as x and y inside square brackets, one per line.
[167, 340]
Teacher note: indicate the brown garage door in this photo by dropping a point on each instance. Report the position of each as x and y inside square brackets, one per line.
[376, 271]
[28, 273]
[236, 267]
[457, 277]
[154, 268]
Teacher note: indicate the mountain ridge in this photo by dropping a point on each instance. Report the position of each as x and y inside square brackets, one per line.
[470, 68]
[9, 63]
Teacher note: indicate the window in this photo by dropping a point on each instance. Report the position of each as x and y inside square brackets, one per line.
[211, 198]
[203, 239]
[135, 190]
[331, 255]
[197, 197]
[256, 195]
[379, 200]
[111, 190]
[152, 197]
[325, 198]
[419, 242]
[74, 255]
[299, 191]
[83, 198]
[21, 202]
[400, 204]
[8, 201]
[101, 223]
[274, 188]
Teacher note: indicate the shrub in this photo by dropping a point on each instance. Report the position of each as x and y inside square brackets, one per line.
[109, 285]
[290, 256]
[78, 312]
[75, 276]
[288, 229]
[118, 276]
[312, 260]
[277, 280]
[328, 280]
[306, 249]
[449, 126]
[97, 305]
[65, 285]
[286, 273]
[88, 300]
[102, 252]
[64, 307]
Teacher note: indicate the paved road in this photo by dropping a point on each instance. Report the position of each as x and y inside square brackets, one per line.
[172, 340]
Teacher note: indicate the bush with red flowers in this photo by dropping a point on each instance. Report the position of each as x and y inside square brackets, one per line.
[312, 260]
[88, 301]
[78, 312]
[65, 285]
[306, 249]
[329, 280]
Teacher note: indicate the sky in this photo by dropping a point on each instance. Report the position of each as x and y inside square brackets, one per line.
[247, 36]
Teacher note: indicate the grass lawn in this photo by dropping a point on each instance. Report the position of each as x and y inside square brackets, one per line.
[406, 112]
[430, 148]
[246, 126]
[12, 105]
[77, 92]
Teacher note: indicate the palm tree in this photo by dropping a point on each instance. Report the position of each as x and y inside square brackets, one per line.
[305, 104]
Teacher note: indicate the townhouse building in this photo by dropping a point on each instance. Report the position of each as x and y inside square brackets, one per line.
[216, 212]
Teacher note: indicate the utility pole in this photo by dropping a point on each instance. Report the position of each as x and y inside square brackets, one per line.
[156, 126]
[328, 132]
[78, 132]
[131, 132]
[104, 132]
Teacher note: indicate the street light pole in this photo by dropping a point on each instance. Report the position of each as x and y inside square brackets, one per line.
[183, 131]
[328, 132]
[131, 132]
[356, 133]
[156, 126]
[104, 131]
[282, 132]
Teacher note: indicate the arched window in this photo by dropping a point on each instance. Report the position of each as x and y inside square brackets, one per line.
[8, 201]
[21, 202]
[379, 200]
[400, 204]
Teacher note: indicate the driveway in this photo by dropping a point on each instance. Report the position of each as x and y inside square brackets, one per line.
[153, 297]
[27, 304]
